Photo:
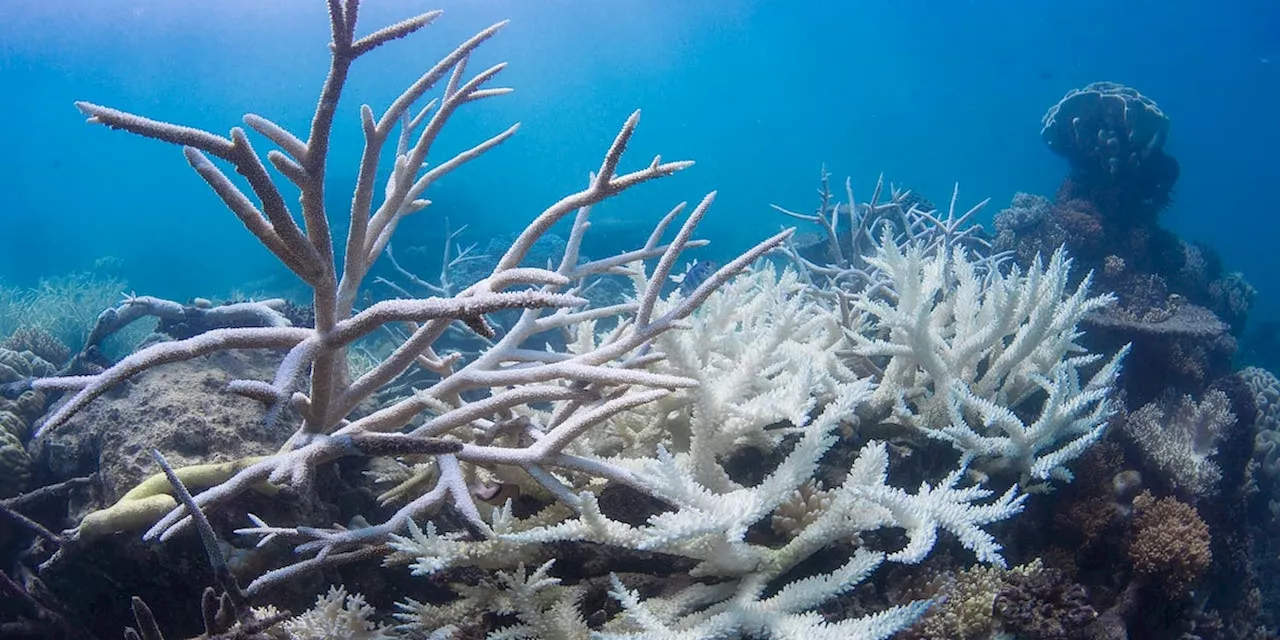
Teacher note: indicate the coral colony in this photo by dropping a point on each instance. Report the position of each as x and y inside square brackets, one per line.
[902, 427]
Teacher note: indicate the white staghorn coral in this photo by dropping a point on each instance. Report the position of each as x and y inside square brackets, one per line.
[546, 610]
[769, 376]
[967, 350]
[1071, 417]
[465, 414]
[863, 503]
[660, 404]
[763, 354]
[943, 506]
[785, 615]
[337, 615]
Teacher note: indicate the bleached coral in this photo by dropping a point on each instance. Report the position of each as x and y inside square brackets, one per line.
[967, 349]
[712, 528]
[337, 615]
[768, 362]
[1071, 417]
[942, 506]
[658, 402]
[545, 609]
[1180, 436]
[785, 615]
[763, 353]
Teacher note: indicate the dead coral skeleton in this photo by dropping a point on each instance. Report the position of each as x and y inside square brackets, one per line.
[314, 379]
[628, 401]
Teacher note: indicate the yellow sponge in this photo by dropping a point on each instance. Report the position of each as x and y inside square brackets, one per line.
[146, 503]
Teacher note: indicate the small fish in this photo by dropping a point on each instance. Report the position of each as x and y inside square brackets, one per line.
[694, 275]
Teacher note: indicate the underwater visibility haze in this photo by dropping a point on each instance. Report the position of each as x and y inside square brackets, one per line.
[639, 319]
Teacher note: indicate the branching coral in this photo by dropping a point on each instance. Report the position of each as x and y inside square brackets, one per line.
[336, 614]
[1170, 542]
[313, 379]
[851, 230]
[766, 354]
[653, 395]
[544, 609]
[61, 306]
[970, 350]
[967, 351]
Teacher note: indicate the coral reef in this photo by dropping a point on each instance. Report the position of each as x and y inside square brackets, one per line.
[336, 614]
[1175, 303]
[966, 348]
[1110, 133]
[1044, 605]
[17, 415]
[187, 413]
[40, 342]
[1170, 542]
[852, 436]
[1179, 437]
[965, 603]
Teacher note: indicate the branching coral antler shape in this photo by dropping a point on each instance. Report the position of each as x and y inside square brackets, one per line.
[585, 388]
[308, 251]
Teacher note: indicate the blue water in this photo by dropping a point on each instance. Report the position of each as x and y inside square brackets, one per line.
[759, 93]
